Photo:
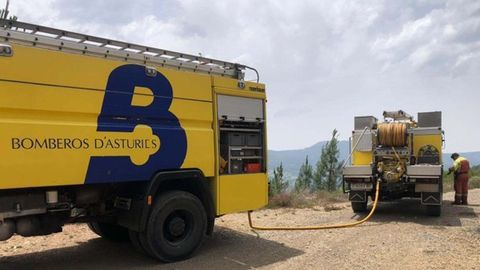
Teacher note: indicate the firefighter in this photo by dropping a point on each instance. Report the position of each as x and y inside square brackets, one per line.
[460, 169]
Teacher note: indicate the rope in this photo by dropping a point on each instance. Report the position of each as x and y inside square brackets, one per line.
[392, 134]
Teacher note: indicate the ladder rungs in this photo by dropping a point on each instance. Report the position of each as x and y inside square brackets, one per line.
[86, 44]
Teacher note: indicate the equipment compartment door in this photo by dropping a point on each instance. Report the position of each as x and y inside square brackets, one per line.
[243, 180]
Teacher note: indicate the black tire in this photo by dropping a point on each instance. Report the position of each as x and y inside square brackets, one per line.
[137, 244]
[434, 210]
[176, 227]
[359, 207]
[109, 231]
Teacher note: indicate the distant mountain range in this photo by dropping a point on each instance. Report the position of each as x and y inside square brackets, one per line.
[293, 159]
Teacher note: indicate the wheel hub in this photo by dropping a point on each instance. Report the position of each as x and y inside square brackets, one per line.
[176, 226]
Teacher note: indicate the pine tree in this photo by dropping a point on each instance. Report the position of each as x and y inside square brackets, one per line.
[319, 177]
[305, 177]
[278, 184]
[328, 169]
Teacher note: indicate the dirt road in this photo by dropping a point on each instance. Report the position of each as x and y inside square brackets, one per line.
[399, 236]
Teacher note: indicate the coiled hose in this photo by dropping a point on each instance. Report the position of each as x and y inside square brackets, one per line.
[321, 227]
[392, 134]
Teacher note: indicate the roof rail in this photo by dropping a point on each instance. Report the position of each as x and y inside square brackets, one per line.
[52, 38]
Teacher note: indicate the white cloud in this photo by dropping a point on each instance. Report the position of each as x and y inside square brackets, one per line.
[436, 42]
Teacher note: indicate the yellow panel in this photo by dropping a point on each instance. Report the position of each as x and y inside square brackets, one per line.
[32, 114]
[32, 111]
[44, 66]
[30, 64]
[239, 93]
[242, 192]
[44, 110]
[189, 85]
[56, 100]
[196, 118]
[422, 140]
[362, 158]
[230, 87]
[223, 82]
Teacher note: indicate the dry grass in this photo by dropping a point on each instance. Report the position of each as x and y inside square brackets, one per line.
[474, 182]
[306, 199]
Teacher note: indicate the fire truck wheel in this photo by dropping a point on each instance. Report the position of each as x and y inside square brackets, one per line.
[176, 226]
[359, 207]
[137, 243]
[109, 231]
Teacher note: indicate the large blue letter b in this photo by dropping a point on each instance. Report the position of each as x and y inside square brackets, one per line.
[118, 115]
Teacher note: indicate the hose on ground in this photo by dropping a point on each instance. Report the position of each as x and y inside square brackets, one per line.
[321, 227]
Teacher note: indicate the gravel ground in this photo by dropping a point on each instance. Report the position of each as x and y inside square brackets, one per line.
[399, 236]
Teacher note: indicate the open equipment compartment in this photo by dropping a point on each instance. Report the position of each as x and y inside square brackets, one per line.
[242, 134]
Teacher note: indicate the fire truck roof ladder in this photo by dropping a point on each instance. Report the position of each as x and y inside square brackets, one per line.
[51, 38]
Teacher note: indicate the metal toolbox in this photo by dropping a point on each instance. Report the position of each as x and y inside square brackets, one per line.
[362, 122]
[253, 139]
[430, 119]
[236, 139]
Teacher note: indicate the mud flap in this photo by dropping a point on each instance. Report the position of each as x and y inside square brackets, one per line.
[357, 196]
[431, 198]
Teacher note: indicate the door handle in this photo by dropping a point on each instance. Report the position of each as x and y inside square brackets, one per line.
[6, 50]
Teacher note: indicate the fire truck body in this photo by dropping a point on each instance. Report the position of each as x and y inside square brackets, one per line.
[404, 154]
[131, 139]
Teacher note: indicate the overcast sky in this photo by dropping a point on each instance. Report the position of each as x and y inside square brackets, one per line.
[323, 61]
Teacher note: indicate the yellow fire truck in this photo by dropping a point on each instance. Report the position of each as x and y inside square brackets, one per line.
[140, 143]
[404, 154]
